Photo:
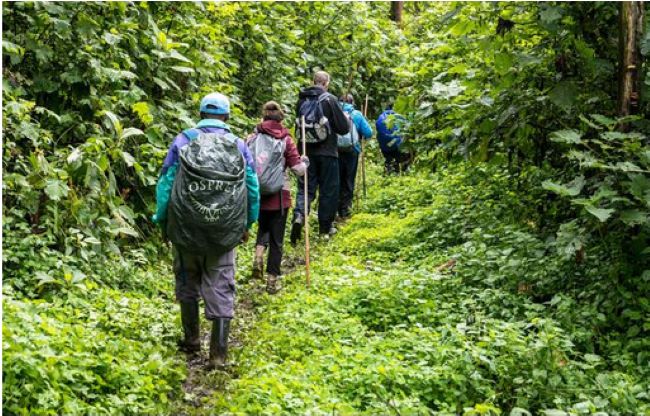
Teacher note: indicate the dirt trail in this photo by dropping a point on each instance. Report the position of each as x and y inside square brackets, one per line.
[201, 384]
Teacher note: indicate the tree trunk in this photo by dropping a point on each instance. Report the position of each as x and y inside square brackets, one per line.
[630, 59]
[396, 8]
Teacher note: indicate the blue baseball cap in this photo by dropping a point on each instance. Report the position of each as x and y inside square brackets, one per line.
[215, 103]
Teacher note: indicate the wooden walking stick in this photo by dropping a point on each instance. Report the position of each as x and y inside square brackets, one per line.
[306, 209]
[363, 153]
[356, 192]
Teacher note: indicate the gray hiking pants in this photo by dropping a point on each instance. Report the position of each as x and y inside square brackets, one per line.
[210, 277]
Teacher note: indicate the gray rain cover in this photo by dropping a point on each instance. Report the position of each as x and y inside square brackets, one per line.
[207, 208]
[268, 153]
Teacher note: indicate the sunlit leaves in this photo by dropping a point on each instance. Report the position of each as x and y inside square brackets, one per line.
[114, 121]
[566, 136]
[503, 62]
[571, 189]
[601, 213]
[128, 159]
[131, 131]
[182, 69]
[446, 91]
[14, 51]
[622, 190]
[56, 189]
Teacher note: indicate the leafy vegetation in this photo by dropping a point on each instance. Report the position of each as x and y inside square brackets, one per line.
[508, 273]
[450, 305]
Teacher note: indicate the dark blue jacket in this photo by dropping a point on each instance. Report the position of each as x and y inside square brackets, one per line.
[389, 138]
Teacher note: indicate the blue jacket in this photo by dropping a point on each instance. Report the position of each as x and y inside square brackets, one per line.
[389, 138]
[360, 122]
[170, 166]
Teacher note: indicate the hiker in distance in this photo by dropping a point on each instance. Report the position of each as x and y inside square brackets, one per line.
[207, 199]
[274, 151]
[324, 120]
[390, 140]
[349, 150]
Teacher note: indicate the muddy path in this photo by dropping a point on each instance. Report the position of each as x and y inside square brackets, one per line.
[201, 385]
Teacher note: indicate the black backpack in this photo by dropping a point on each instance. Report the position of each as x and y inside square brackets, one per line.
[208, 203]
[317, 126]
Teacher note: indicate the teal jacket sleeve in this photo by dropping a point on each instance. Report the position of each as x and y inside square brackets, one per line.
[163, 193]
[253, 188]
[361, 124]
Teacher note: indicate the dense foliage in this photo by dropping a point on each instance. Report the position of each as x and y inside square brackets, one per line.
[534, 84]
[434, 302]
[508, 273]
[83, 149]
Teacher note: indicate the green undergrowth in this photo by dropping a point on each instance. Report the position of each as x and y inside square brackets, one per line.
[442, 299]
[89, 346]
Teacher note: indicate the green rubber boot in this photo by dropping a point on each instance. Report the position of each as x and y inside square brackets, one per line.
[219, 343]
[190, 320]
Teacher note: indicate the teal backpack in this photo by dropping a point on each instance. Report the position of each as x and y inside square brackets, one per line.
[348, 141]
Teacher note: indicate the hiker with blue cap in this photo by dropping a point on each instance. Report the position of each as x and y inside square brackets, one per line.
[207, 200]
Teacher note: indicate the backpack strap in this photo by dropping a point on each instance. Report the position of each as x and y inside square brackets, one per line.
[285, 139]
[191, 134]
[323, 97]
[231, 136]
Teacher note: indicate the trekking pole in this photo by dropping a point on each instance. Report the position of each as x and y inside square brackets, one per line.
[356, 193]
[363, 153]
[306, 213]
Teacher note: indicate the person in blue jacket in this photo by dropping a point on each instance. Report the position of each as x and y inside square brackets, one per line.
[388, 126]
[211, 277]
[349, 160]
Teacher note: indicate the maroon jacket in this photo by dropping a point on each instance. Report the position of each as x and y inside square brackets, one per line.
[292, 161]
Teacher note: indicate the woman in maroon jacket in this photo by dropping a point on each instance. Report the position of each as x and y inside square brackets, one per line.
[274, 207]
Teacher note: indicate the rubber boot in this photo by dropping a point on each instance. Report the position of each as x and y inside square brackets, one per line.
[190, 320]
[219, 343]
[258, 263]
[296, 229]
[273, 284]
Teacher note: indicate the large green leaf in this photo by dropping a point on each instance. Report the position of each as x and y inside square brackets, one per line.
[56, 189]
[566, 136]
[564, 94]
[602, 214]
[115, 122]
[182, 69]
[632, 217]
[131, 131]
[571, 189]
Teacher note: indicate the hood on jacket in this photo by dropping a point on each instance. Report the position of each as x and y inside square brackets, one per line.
[347, 107]
[273, 128]
[313, 91]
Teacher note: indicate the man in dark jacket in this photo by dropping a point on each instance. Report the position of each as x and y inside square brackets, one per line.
[323, 171]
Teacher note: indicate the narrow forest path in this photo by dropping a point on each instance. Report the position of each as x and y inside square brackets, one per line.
[200, 385]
